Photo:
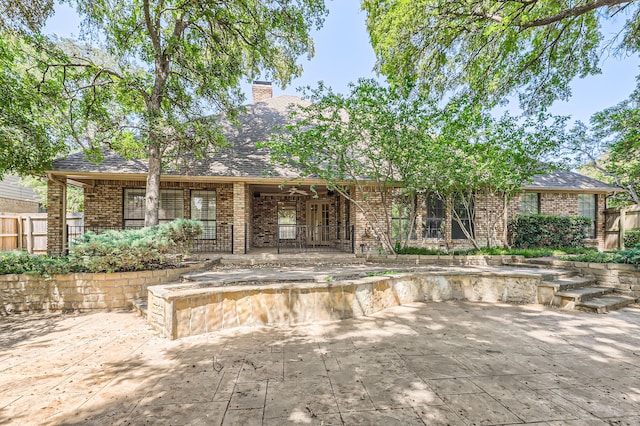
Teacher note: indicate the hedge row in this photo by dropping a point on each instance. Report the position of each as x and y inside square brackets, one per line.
[548, 231]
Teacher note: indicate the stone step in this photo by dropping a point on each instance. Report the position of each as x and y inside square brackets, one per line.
[548, 272]
[605, 304]
[568, 283]
[570, 298]
[557, 274]
[292, 259]
[545, 261]
[140, 306]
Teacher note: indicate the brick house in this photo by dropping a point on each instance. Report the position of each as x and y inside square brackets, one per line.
[247, 204]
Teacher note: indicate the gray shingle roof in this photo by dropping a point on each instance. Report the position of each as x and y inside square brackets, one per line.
[241, 158]
[564, 180]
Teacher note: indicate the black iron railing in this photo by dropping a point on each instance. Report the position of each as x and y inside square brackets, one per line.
[303, 238]
[213, 239]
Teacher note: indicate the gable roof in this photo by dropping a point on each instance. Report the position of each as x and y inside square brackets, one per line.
[244, 160]
[562, 180]
[240, 159]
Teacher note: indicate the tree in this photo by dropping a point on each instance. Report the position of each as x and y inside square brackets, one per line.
[393, 140]
[476, 158]
[29, 137]
[25, 15]
[492, 49]
[356, 140]
[611, 147]
[164, 66]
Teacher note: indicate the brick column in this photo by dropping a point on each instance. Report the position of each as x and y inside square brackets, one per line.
[56, 216]
[239, 217]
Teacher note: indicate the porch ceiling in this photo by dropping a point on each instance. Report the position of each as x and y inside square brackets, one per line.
[285, 190]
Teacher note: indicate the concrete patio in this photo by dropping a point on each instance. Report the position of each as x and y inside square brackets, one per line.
[455, 363]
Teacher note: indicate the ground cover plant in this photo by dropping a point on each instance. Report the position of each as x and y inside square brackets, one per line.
[631, 238]
[629, 256]
[155, 247]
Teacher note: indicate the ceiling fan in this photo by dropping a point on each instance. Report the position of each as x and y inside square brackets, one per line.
[296, 191]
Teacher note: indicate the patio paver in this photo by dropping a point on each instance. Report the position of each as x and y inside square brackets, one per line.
[454, 363]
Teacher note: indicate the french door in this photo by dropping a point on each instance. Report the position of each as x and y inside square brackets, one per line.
[318, 222]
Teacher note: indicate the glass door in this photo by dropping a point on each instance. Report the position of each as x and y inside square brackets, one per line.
[318, 222]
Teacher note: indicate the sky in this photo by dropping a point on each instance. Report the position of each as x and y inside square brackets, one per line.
[343, 54]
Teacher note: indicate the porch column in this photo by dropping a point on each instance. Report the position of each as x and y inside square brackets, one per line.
[239, 217]
[366, 239]
[56, 215]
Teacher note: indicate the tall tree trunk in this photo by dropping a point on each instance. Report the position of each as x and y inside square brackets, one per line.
[152, 196]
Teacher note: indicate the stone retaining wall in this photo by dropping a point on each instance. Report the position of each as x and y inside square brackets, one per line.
[624, 278]
[80, 291]
[181, 310]
[442, 260]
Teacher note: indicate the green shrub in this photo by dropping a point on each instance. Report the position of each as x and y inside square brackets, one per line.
[546, 231]
[593, 257]
[135, 249]
[631, 238]
[630, 256]
[420, 251]
[112, 251]
[21, 262]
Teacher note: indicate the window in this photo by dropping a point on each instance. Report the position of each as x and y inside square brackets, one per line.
[401, 219]
[463, 208]
[587, 206]
[203, 208]
[530, 203]
[134, 208]
[433, 213]
[287, 221]
[171, 206]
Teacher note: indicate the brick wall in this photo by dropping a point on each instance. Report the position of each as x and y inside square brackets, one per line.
[240, 209]
[265, 217]
[489, 219]
[56, 213]
[104, 202]
[367, 236]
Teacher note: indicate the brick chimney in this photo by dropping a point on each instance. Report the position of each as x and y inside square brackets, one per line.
[262, 91]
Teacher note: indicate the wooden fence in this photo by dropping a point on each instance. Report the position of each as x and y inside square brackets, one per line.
[28, 231]
[616, 222]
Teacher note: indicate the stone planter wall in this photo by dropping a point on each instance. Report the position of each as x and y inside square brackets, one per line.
[441, 260]
[625, 278]
[81, 291]
[182, 310]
